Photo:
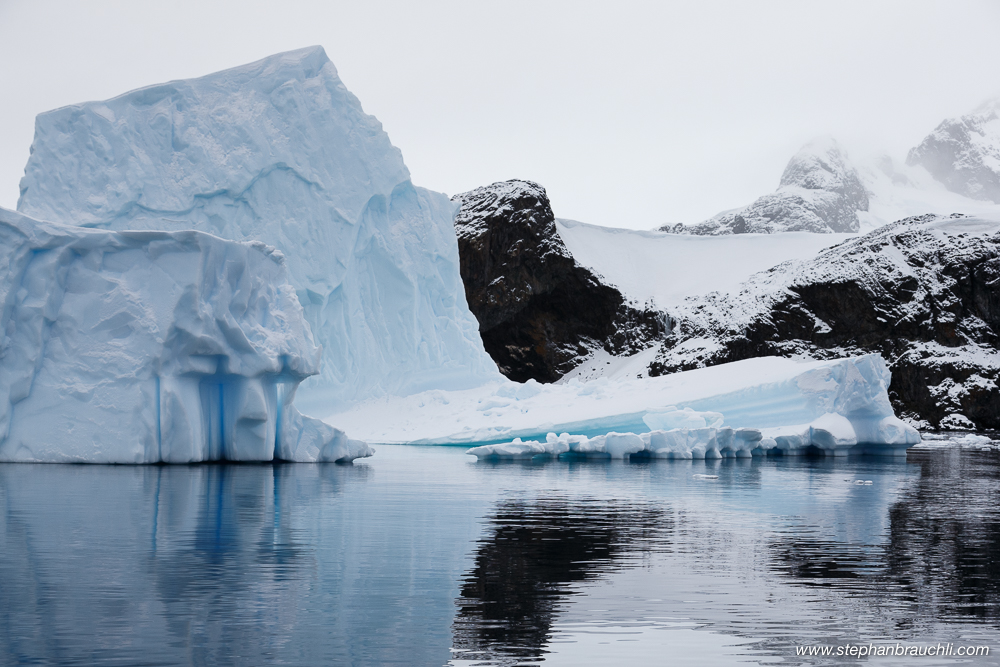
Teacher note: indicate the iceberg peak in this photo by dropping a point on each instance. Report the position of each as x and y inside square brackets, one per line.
[279, 151]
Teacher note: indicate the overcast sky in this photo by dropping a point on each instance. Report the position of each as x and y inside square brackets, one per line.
[630, 114]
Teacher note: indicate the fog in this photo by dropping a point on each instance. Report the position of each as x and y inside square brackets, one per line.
[630, 114]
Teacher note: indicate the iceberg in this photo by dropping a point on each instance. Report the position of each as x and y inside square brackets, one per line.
[740, 409]
[280, 151]
[148, 347]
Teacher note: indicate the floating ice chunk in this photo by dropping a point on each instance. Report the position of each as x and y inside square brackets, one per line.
[516, 450]
[833, 433]
[622, 445]
[973, 440]
[790, 439]
[152, 347]
[888, 430]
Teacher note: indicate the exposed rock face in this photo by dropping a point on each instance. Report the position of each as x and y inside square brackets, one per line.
[539, 312]
[819, 192]
[964, 153]
[924, 292]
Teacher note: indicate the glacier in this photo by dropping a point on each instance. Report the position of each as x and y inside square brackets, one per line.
[280, 151]
[148, 347]
[737, 409]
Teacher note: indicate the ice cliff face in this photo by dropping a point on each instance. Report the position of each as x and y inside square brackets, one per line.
[923, 292]
[144, 347]
[280, 151]
[820, 191]
[539, 311]
[964, 153]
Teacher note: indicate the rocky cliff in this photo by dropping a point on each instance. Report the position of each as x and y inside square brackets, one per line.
[924, 292]
[539, 312]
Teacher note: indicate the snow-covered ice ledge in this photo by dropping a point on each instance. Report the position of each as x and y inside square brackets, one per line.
[739, 409]
[145, 347]
[831, 408]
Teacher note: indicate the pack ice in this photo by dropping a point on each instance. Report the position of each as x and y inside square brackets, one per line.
[280, 151]
[731, 410]
[141, 347]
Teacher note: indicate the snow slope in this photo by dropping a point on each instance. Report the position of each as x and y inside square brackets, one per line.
[280, 151]
[145, 347]
[846, 399]
[668, 268]
[900, 191]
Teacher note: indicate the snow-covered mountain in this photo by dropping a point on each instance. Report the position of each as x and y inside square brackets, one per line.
[540, 313]
[819, 191]
[956, 169]
[964, 153]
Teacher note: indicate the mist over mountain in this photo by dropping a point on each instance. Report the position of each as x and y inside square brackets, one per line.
[820, 191]
[964, 153]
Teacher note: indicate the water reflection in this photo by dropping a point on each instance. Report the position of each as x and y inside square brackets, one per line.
[940, 559]
[201, 563]
[420, 550]
[533, 555]
[944, 541]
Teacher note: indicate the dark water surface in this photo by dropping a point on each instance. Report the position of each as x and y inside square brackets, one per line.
[422, 556]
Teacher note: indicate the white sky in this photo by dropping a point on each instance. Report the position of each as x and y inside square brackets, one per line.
[631, 114]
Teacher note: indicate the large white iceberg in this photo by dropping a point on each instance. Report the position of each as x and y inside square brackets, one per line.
[280, 151]
[737, 409]
[144, 347]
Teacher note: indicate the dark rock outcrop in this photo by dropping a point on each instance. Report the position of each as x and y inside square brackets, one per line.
[819, 192]
[539, 312]
[924, 292]
[964, 153]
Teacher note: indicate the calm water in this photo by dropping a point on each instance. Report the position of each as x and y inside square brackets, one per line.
[422, 556]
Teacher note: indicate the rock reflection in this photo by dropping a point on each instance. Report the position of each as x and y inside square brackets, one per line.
[941, 559]
[944, 542]
[823, 562]
[528, 564]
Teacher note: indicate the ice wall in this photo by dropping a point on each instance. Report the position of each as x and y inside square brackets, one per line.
[141, 347]
[281, 152]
